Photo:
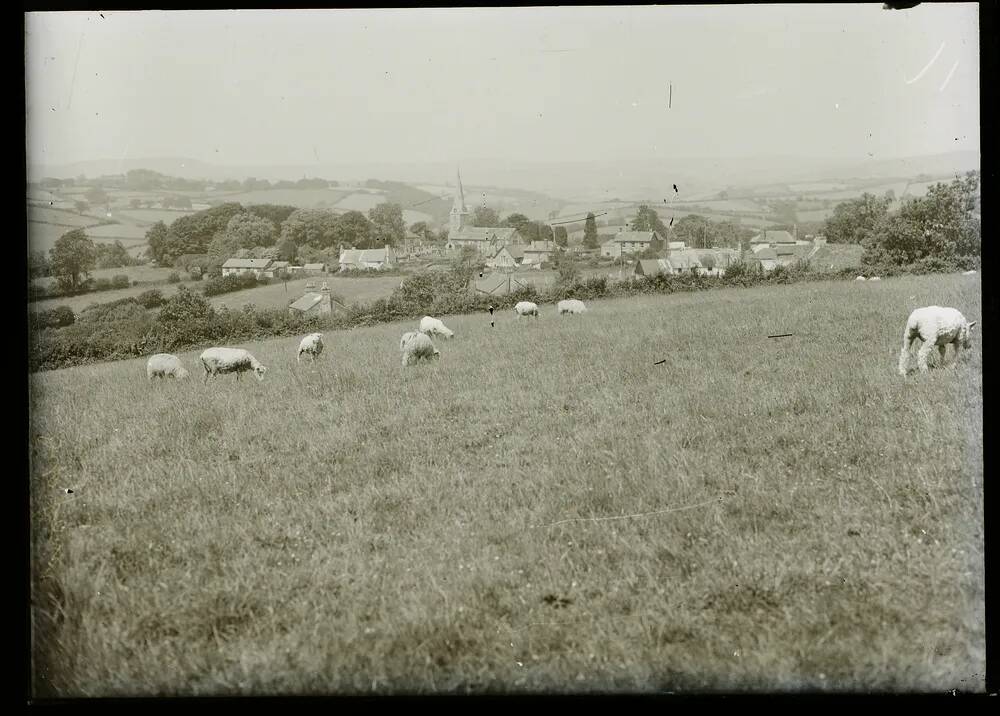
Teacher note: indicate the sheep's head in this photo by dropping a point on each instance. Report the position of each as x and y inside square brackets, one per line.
[259, 370]
[448, 333]
[967, 335]
[181, 373]
[437, 354]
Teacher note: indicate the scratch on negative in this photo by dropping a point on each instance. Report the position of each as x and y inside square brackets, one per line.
[640, 514]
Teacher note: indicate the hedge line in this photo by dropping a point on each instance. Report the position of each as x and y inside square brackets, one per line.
[130, 328]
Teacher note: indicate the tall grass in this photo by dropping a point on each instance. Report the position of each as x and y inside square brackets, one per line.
[541, 510]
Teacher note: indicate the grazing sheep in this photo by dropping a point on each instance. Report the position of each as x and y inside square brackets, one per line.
[433, 326]
[968, 273]
[164, 365]
[311, 344]
[935, 326]
[572, 307]
[875, 278]
[526, 308]
[416, 345]
[230, 360]
[860, 278]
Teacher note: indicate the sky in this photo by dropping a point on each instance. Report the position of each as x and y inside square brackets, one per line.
[525, 84]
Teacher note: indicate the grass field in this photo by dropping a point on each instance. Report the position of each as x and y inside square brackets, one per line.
[543, 509]
[305, 198]
[274, 295]
[833, 257]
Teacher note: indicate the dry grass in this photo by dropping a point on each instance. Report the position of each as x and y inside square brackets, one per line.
[805, 518]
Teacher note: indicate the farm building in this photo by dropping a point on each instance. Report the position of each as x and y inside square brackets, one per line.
[276, 269]
[763, 255]
[685, 261]
[629, 242]
[652, 267]
[313, 304]
[507, 256]
[487, 240]
[367, 258]
[716, 261]
[538, 252]
[313, 269]
[240, 267]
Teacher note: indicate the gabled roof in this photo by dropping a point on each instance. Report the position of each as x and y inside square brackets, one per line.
[687, 258]
[633, 236]
[676, 245]
[516, 252]
[307, 301]
[312, 267]
[247, 263]
[503, 234]
[650, 267]
[764, 252]
[280, 264]
[354, 256]
[773, 237]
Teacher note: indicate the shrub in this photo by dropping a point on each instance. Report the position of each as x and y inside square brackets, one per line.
[174, 277]
[57, 317]
[150, 299]
[120, 281]
[228, 284]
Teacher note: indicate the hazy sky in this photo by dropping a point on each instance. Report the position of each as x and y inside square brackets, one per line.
[554, 84]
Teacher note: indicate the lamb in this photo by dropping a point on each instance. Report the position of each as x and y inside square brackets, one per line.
[935, 326]
[230, 360]
[968, 273]
[311, 344]
[572, 307]
[165, 365]
[860, 278]
[526, 308]
[433, 326]
[875, 278]
[416, 345]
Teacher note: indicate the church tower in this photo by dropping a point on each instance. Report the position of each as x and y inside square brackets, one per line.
[459, 212]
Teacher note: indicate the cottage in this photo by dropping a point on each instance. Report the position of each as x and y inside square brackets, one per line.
[629, 242]
[764, 256]
[376, 259]
[685, 261]
[276, 269]
[313, 269]
[506, 257]
[772, 238]
[240, 267]
[538, 252]
[652, 267]
[313, 304]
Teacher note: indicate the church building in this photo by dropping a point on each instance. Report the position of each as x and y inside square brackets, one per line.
[487, 240]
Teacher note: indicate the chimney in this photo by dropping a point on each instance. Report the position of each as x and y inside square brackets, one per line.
[326, 305]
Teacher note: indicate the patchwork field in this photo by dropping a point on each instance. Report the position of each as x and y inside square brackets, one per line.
[544, 509]
[305, 198]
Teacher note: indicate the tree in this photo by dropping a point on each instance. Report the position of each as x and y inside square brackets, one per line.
[38, 264]
[388, 227]
[422, 230]
[318, 228]
[648, 220]
[695, 231]
[515, 221]
[855, 220]
[561, 237]
[191, 234]
[274, 212]
[158, 238]
[535, 231]
[708, 261]
[287, 250]
[135, 203]
[249, 230]
[81, 206]
[567, 272]
[353, 229]
[72, 257]
[485, 216]
[590, 232]
[112, 256]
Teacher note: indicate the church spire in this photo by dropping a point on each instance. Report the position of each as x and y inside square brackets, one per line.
[458, 208]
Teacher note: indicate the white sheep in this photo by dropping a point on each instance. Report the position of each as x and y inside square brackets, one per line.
[311, 344]
[875, 278]
[968, 273]
[433, 326]
[416, 345]
[526, 308]
[165, 365]
[572, 307]
[935, 326]
[860, 278]
[230, 360]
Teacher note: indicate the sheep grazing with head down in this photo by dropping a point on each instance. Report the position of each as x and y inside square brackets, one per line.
[935, 326]
[968, 273]
[415, 346]
[572, 307]
[165, 365]
[526, 308]
[860, 278]
[434, 327]
[230, 360]
[311, 345]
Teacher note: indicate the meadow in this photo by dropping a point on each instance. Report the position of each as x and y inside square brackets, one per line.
[544, 509]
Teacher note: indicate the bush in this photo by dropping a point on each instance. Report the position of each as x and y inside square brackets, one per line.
[120, 281]
[228, 284]
[174, 277]
[102, 284]
[57, 317]
[150, 299]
